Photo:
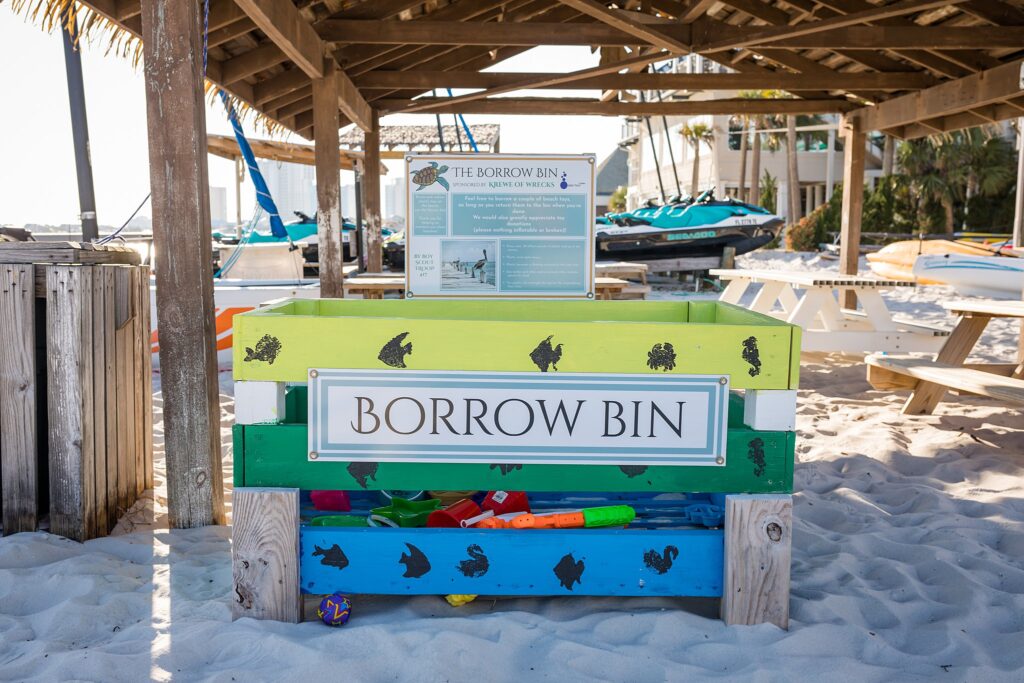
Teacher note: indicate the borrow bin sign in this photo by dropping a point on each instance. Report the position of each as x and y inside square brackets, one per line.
[512, 417]
[496, 225]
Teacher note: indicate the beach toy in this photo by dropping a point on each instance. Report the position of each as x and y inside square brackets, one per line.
[405, 495]
[407, 513]
[335, 609]
[449, 497]
[332, 501]
[610, 515]
[452, 516]
[504, 502]
[338, 520]
[459, 600]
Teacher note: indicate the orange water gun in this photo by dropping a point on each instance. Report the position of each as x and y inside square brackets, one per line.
[610, 515]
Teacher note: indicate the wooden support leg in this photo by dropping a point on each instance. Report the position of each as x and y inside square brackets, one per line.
[758, 546]
[328, 181]
[265, 554]
[958, 346]
[18, 443]
[733, 291]
[854, 148]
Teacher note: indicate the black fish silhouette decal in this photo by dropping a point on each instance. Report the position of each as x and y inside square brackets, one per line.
[361, 471]
[416, 563]
[755, 453]
[663, 562]
[545, 355]
[752, 356]
[569, 570]
[267, 349]
[394, 352]
[633, 470]
[661, 357]
[477, 566]
[333, 556]
[505, 468]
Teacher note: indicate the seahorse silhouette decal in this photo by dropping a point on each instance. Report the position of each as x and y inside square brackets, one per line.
[266, 350]
[663, 562]
[752, 356]
[545, 356]
[661, 357]
[394, 352]
[477, 565]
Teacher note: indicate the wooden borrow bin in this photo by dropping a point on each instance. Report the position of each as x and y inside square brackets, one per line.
[283, 351]
[76, 428]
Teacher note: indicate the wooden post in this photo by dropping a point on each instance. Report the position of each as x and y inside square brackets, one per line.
[854, 142]
[19, 470]
[108, 274]
[265, 554]
[758, 545]
[176, 116]
[371, 196]
[328, 181]
[69, 361]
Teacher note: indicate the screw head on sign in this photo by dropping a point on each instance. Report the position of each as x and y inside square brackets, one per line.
[719, 460]
[313, 455]
[723, 380]
[313, 373]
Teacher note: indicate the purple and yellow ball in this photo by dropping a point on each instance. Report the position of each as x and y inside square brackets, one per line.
[335, 610]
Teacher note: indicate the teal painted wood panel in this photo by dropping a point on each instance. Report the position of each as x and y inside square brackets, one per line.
[683, 562]
[275, 455]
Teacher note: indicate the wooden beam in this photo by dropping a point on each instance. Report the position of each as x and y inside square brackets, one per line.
[629, 24]
[488, 33]
[854, 150]
[952, 97]
[594, 107]
[176, 121]
[774, 35]
[287, 28]
[528, 83]
[905, 37]
[371, 195]
[695, 10]
[352, 103]
[328, 182]
[758, 555]
[251, 62]
[779, 80]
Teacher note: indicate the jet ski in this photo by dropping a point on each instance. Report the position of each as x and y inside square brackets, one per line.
[700, 226]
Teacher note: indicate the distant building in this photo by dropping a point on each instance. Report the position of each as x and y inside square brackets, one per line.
[612, 173]
[819, 151]
[348, 201]
[394, 198]
[218, 206]
[293, 187]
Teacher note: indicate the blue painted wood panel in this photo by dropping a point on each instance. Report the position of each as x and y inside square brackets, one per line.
[683, 562]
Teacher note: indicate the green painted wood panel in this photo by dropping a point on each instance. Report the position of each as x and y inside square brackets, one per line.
[275, 455]
[283, 342]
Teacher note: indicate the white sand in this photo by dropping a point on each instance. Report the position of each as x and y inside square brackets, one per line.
[908, 564]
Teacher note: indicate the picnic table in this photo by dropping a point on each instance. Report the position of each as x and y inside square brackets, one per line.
[622, 269]
[929, 380]
[376, 285]
[827, 326]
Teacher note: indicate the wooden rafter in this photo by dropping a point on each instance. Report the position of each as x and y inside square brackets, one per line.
[595, 107]
[628, 24]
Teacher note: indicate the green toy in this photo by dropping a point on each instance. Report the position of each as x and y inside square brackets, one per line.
[408, 513]
[338, 520]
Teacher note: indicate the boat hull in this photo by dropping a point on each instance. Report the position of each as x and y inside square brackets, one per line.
[644, 243]
[996, 277]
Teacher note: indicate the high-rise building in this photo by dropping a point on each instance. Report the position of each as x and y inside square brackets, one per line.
[218, 206]
[348, 201]
[394, 198]
[293, 187]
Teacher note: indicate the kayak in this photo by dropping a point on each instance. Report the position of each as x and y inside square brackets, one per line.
[996, 277]
[896, 261]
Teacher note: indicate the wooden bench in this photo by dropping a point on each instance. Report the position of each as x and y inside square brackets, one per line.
[622, 269]
[929, 380]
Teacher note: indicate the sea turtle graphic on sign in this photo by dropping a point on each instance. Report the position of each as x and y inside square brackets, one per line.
[428, 175]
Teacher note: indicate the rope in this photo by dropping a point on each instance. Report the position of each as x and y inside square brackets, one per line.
[242, 243]
[116, 233]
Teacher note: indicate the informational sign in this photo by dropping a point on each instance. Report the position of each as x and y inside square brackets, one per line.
[497, 225]
[517, 417]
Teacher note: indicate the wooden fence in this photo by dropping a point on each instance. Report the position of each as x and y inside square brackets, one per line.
[76, 427]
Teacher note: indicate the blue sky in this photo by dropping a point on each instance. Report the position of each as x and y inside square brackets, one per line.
[37, 173]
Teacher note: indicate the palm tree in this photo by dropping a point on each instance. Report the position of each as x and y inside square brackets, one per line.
[769, 192]
[695, 134]
[744, 123]
[936, 169]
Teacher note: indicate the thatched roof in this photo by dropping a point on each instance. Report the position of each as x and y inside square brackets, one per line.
[424, 138]
[871, 61]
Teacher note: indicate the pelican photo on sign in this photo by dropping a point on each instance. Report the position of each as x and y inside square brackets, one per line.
[476, 417]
